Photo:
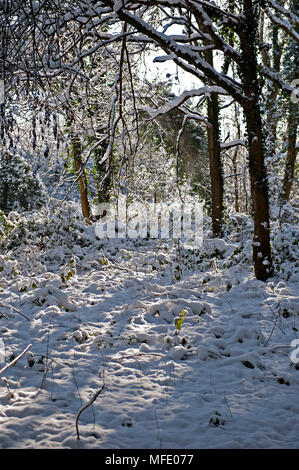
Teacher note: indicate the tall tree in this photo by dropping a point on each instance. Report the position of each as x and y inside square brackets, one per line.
[75, 153]
[292, 150]
[216, 170]
[247, 93]
[252, 111]
[291, 71]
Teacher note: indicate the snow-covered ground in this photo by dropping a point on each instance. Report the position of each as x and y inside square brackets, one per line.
[197, 362]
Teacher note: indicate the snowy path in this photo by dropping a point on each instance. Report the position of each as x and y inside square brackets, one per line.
[222, 381]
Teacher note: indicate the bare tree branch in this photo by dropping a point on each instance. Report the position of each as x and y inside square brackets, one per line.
[12, 363]
[285, 25]
[93, 399]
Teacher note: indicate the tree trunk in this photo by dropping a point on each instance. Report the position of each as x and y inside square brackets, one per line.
[235, 172]
[235, 158]
[291, 152]
[262, 258]
[215, 166]
[214, 149]
[75, 153]
[293, 113]
[4, 198]
[272, 90]
[104, 175]
[76, 149]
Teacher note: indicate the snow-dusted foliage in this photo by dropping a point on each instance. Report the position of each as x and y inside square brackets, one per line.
[20, 189]
[160, 327]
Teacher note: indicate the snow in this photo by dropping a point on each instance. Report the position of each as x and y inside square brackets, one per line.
[164, 58]
[185, 96]
[280, 9]
[283, 24]
[233, 143]
[225, 377]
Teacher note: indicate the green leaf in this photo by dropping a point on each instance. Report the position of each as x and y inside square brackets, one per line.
[180, 320]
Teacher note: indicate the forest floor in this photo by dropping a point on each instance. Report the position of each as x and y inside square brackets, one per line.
[200, 362]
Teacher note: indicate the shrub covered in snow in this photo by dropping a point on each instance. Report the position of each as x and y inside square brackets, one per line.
[19, 188]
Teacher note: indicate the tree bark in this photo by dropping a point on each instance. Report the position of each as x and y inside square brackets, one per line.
[76, 149]
[235, 172]
[214, 149]
[272, 90]
[75, 153]
[215, 166]
[262, 258]
[259, 194]
[235, 158]
[271, 104]
[291, 152]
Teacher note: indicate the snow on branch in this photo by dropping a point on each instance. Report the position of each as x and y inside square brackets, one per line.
[276, 78]
[221, 44]
[233, 143]
[12, 363]
[186, 95]
[284, 11]
[196, 117]
[226, 18]
[185, 53]
[285, 25]
[164, 58]
[210, 47]
[189, 68]
[227, 105]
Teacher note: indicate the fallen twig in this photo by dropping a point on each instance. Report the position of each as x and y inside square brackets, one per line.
[85, 407]
[139, 354]
[2, 314]
[7, 386]
[16, 310]
[276, 315]
[15, 360]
